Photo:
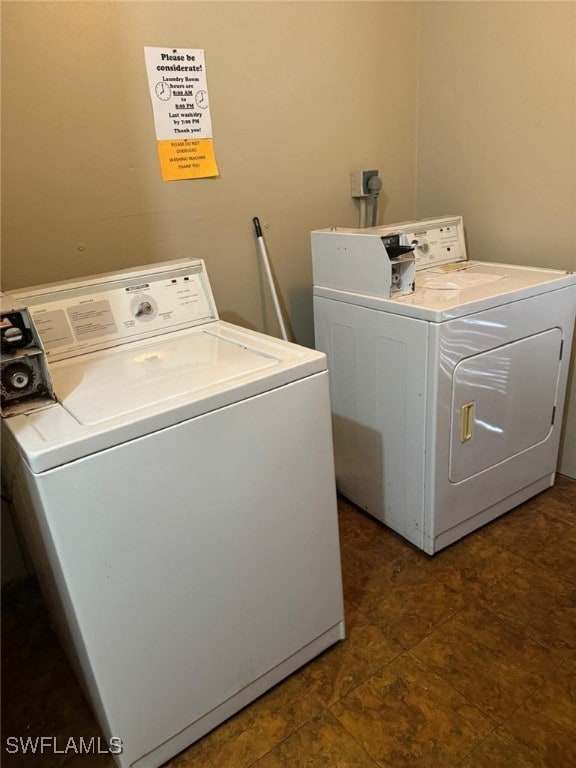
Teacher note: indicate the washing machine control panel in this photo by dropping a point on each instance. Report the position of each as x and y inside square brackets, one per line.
[108, 310]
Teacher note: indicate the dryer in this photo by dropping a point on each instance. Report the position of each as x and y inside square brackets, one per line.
[178, 500]
[447, 389]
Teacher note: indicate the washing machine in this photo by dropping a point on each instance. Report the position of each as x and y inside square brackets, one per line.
[178, 500]
[448, 375]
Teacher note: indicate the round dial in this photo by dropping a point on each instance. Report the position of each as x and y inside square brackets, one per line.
[144, 308]
[17, 377]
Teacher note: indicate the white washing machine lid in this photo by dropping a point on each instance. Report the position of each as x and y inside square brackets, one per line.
[455, 290]
[112, 396]
[121, 381]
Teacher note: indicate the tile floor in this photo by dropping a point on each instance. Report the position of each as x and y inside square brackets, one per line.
[465, 659]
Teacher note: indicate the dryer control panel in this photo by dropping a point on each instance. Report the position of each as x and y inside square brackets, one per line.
[108, 310]
[436, 241]
[375, 261]
[364, 261]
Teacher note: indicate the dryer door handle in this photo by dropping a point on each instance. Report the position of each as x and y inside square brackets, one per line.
[466, 421]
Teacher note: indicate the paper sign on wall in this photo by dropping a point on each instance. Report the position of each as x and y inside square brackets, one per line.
[179, 94]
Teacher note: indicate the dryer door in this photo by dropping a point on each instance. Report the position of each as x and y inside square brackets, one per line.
[503, 402]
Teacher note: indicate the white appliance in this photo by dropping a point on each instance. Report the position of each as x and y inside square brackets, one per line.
[447, 398]
[179, 501]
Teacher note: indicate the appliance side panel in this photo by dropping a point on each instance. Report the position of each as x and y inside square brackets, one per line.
[378, 373]
[196, 559]
[391, 418]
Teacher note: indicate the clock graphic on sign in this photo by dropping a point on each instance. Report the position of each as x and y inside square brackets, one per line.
[163, 91]
[201, 99]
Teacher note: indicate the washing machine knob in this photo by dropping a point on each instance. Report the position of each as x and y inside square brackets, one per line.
[17, 377]
[20, 380]
[13, 335]
[145, 308]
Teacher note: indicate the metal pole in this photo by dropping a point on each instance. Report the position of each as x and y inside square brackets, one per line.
[264, 254]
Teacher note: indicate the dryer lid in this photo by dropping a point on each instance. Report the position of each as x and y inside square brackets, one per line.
[445, 294]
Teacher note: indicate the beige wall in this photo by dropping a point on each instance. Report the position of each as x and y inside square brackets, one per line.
[497, 126]
[497, 135]
[301, 94]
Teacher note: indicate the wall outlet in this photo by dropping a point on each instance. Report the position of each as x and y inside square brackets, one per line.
[359, 183]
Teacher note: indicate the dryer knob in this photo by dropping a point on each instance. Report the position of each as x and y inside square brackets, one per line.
[424, 247]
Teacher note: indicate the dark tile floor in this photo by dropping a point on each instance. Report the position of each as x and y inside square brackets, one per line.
[464, 659]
